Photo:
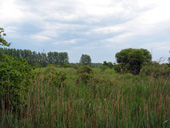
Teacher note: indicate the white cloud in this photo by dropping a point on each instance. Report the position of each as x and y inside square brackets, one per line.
[161, 46]
[9, 12]
[67, 42]
[12, 32]
[40, 38]
[121, 38]
[106, 30]
[158, 14]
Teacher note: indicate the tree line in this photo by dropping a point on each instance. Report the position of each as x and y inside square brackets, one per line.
[37, 59]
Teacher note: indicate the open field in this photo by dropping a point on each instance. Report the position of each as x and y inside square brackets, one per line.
[107, 100]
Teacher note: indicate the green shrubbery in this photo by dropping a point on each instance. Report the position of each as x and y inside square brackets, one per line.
[85, 74]
[155, 69]
[121, 68]
[132, 60]
[66, 65]
[54, 77]
[106, 65]
[14, 81]
[103, 67]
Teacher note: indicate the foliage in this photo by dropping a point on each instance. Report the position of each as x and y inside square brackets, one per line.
[76, 66]
[103, 67]
[3, 42]
[85, 59]
[105, 63]
[53, 77]
[121, 68]
[85, 74]
[155, 69]
[14, 81]
[113, 101]
[34, 58]
[134, 59]
[66, 65]
[57, 58]
[108, 64]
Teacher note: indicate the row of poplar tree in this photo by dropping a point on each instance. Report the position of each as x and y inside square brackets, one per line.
[35, 59]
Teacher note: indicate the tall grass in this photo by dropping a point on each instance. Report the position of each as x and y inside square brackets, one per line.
[108, 100]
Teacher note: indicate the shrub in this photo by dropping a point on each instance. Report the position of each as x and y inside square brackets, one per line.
[121, 68]
[108, 64]
[53, 76]
[85, 74]
[66, 65]
[155, 70]
[134, 59]
[75, 66]
[14, 82]
[103, 67]
[167, 72]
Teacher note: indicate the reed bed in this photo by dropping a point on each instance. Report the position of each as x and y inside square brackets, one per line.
[109, 100]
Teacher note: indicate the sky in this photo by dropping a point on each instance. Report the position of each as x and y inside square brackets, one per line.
[99, 28]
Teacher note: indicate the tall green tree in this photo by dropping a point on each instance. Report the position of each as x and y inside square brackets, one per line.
[133, 59]
[85, 59]
[3, 42]
[63, 58]
[34, 58]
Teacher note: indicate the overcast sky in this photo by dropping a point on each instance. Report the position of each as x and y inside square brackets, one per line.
[99, 28]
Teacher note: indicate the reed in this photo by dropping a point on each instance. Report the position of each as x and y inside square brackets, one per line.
[108, 100]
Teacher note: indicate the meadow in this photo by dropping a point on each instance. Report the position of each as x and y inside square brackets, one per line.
[107, 100]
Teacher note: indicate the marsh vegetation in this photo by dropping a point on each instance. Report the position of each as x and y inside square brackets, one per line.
[108, 99]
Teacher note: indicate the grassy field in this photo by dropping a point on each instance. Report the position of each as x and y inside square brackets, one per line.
[107, 100]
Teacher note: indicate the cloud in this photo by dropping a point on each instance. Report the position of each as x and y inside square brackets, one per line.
[88, 25]
[67, 42]
[157, 14]
[9, 12]
[106, 30]
[121, 38]
[40, 38]
[158, 46]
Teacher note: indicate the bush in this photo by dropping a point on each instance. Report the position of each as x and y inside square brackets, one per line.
[103, 67]
[155, 70]
[167, 72]
[75, 66]
[110, 65]
[14, 82]
[107, 64]
[66, 65]
[85, 69]
[134, 59]
[53, 76]
[121, 68]
[85, 74]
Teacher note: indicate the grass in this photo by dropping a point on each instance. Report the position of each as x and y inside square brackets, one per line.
[108, 100]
